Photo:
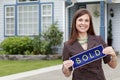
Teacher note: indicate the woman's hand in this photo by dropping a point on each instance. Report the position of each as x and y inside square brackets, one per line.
[66, 65]
[113, 61]
[109, 51]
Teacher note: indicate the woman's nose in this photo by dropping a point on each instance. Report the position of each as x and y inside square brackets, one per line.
[83, 22]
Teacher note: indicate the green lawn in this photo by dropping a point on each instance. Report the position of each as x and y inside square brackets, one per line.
[10, 67]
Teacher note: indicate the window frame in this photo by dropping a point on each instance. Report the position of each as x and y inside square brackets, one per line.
[27, 1]
[9, 23]
[16, 21]
[28, 23]
[49, 15]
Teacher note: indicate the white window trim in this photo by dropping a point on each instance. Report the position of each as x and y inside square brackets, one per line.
[6, 34]
[18, 28]
[27, 1]
[43, 15]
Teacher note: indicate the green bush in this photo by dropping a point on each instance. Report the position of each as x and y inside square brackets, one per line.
[40, 46]
[43, 44]
[54, 36]
[17, 45]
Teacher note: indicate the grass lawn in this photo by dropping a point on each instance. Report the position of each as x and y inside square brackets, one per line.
[8, 67]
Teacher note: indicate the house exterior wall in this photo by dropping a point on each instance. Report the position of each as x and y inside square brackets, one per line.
[59, 16]
[115, 1]
[115, 25]
[1, 21]
[58, 13]
[2, 3]
[87, 0]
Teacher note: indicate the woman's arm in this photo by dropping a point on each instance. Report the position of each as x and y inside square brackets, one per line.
[113, 61]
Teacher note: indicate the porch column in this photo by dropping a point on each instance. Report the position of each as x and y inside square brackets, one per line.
[102, 19]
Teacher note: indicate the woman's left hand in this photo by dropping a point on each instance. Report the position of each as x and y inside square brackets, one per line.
[109, 50]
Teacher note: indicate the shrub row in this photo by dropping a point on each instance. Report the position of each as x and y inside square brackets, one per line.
[40, 44]
[17, 45]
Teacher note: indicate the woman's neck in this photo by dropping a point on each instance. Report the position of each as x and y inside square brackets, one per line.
[82, 35]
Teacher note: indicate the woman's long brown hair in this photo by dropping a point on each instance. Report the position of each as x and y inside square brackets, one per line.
[74, 32]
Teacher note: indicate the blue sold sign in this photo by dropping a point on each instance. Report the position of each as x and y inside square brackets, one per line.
[87, 56]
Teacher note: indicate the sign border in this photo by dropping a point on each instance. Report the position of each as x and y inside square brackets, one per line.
[89, 61]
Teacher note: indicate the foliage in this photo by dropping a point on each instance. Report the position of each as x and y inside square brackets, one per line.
[53, 35]
[17, 45]
[42, 44]
[96, 13]
[39, 46]
[2, 52]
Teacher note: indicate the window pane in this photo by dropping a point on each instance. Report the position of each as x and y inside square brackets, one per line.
[27, 0]
[27, 19]
[22, 0]
[33, 0]
[9, 20]
[46, 16]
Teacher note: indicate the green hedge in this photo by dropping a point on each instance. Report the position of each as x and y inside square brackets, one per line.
[17, 45]
[40, 46]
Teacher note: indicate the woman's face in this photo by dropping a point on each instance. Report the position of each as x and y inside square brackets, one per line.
[83, 23]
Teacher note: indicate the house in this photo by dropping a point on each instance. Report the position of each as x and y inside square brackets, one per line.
[30, 17]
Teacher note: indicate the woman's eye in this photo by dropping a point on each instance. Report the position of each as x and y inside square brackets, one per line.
[80, 19]
[86, 20]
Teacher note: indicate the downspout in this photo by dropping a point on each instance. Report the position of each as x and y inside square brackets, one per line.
[66, 28]
[102, 19]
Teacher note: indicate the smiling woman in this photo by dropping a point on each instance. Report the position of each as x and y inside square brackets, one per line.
[82, 28]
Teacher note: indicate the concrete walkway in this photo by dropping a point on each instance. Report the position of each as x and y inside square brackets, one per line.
[55, 73]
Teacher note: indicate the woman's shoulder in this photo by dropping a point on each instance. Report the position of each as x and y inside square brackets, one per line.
[69, 43]
[66, 43]
[96, 36]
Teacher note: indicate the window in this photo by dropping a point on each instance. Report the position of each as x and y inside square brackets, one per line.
[27, 0]
[25, 21]
[82, 6]
[46, 16]
[9, 20]
[28, 20]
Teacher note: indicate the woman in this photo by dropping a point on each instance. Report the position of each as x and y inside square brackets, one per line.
[83, 38]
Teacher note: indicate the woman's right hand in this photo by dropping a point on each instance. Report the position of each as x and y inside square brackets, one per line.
[68, 63]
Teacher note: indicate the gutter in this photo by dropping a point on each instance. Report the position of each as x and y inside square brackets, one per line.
[66, 27]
